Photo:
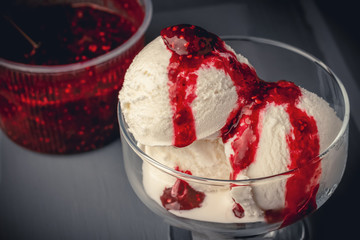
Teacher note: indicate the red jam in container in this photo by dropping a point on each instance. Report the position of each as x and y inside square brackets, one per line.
[61, 68]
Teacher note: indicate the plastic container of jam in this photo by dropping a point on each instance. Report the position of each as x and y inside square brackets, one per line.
[61, 67]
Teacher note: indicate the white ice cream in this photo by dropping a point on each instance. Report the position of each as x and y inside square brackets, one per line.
[145, 104]
[206, 158]
[272, 155]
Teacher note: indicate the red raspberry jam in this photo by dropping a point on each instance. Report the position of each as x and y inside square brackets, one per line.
[65, 112]
[181, 196]
[193, 47]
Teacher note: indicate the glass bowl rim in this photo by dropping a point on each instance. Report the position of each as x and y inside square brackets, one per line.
[220, 182]
[148, 9]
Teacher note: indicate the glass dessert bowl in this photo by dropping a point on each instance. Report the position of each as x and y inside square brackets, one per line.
[205, 205]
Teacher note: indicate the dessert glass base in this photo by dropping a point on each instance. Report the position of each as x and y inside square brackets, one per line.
[273, 61]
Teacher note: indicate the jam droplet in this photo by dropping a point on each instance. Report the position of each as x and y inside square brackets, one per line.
[181, 196]
[238, 210]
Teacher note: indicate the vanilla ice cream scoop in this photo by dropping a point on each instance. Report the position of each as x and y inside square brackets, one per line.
[200, 102]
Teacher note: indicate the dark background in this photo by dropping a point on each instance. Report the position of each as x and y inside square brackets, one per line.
[87, 196]
[339, 218]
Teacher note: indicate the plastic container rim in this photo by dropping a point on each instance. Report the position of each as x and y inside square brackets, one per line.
[148, 9]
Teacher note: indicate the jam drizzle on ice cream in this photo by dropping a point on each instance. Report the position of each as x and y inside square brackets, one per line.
[193, 47]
